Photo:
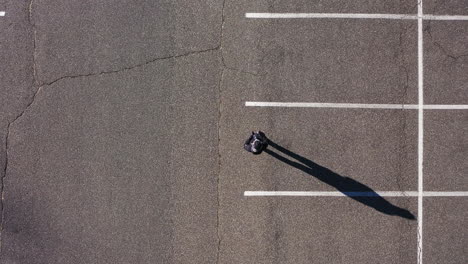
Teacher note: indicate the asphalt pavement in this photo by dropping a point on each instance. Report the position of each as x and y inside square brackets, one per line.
[122, 124]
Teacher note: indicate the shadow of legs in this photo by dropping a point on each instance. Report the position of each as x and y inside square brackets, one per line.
[343, 184]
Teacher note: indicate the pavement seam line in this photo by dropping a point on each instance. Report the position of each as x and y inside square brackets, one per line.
[220, 47]
[218, 185]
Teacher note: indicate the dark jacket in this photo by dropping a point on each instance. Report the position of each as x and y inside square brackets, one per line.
[256, 143]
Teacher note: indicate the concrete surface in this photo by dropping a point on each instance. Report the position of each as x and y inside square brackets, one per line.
[122, 124]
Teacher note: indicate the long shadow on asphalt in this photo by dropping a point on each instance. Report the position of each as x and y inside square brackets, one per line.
[349, 187]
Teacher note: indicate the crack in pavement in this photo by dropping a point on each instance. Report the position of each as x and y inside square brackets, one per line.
[132, 67]
[104, 73]
[218, 249]
[2, 186]
[448, 54]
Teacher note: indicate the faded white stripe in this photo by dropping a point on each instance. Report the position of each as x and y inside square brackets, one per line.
[329, 15]
[364, 106]
[331, 105]
[444, 194]
[356, 194]
[435, 17]
[445, 107]
[353, 16]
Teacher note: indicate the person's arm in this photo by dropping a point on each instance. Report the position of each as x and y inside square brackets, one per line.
[247, 144]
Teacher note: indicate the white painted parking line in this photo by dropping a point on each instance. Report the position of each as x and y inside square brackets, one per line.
[420, 131]
[434, 17]
[329, 15]
[356, 106]
[331, 105]
[353, 16]
[327, 194]
[2, 13]
[445, 107]
[444, 194]
[356, 194]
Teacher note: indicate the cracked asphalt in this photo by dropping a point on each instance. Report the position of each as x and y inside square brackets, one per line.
[122, 124]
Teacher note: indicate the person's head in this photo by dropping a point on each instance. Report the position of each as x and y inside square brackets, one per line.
[256, 145]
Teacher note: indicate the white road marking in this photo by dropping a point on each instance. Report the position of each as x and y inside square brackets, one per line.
[353, 15]
[356, 194]
[434, 17]
[299, 193]
[328, 15]
[2, 13]
[331, 105]
[420, 131]
[346, 105]
[445, 107]
[444, 194]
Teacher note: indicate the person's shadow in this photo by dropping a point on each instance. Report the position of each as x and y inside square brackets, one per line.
[349, 187]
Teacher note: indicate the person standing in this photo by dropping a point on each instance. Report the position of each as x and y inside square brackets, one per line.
[256, 143]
